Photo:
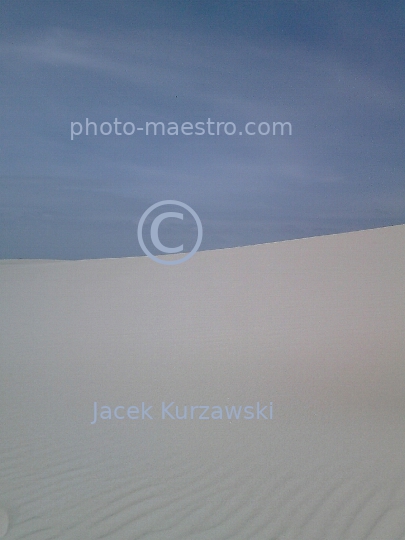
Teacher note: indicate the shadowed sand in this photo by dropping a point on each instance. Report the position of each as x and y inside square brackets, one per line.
[314, 326]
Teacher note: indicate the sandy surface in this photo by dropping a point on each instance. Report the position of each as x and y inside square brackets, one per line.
[315, 326]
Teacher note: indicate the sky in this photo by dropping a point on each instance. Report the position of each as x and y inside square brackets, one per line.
[333, 70]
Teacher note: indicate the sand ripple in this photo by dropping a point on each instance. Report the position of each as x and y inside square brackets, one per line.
[68, 494]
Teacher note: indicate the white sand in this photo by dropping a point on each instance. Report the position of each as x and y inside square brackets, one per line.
[3, 522]
[316, 326]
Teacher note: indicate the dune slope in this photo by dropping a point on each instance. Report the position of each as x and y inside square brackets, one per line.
[306, 337]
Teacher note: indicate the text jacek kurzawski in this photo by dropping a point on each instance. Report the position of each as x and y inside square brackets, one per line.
[171, 411]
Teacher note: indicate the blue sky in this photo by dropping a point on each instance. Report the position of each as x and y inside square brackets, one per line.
[335, 71]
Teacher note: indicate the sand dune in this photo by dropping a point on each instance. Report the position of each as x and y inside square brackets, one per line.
[316, 327]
